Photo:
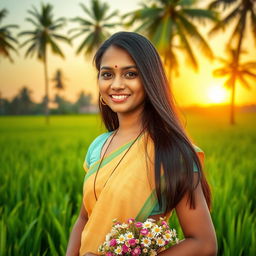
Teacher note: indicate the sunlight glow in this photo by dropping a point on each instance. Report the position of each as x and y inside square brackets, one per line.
[217, 94]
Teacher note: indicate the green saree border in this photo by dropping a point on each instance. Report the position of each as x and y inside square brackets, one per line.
[109, 158]
[149, 205]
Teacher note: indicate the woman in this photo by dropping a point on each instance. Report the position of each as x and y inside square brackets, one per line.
[145, 165]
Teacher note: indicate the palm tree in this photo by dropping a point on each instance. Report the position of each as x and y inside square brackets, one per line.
[244, 72]
[58, 80]
[7, 41]
[94, 26]
[42, 37]
[169, 25]
[244, 13]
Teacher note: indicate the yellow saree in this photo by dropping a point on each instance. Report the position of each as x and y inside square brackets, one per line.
[128, 193]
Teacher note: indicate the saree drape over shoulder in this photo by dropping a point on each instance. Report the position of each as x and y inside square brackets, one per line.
[128, 193]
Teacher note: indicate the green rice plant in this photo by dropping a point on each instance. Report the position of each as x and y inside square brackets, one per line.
[41, 177]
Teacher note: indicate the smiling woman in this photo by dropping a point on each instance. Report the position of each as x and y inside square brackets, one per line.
[145, 165]
[119, 83]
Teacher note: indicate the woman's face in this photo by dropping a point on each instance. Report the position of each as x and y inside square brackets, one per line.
[119, 83]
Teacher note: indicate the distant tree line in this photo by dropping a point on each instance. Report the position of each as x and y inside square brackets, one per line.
[23, 104]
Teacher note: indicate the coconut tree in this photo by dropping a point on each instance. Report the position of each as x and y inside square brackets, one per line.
[170, 26]
[245, 74]
[243, 14]
[44, 36]
[7, 41]
[58, 80]
[94, 26]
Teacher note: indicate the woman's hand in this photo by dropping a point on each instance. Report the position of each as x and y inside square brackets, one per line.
[90, 254]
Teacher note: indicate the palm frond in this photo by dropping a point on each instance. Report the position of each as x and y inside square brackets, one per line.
[253, 24]
[220, 72]
[110, 16]
[84, 43]
[82, 21]
[222, 24]
[192, 31]
[249, 65]
[201, 15]
[249, 73]
[31, 50]
[228, 83]
[243, 81]
[187, 48]
[61, 38]
[55, 48]
[81, 32]
[224, 3]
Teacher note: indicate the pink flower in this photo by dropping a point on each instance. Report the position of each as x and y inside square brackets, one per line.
[112, 243]
[138, 224]
[136, 251]
[144, 231]
[125, 248]
[109, 254]
[164, 223]
[131, 220]
[132, 241]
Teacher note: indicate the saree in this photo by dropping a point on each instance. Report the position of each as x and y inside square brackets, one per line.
[128, 192]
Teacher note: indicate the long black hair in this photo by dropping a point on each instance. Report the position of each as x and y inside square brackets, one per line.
[174, 151]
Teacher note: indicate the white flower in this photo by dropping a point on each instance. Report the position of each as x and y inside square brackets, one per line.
[160, 241]
[121, 239]
[151, 220]
[113, 231]
[150, 235]
[118, 250]
[145, 250]
[174, 232]
[146, 242]
[147, 224]
[129, 235]
[167, 237]
[177, 240]
[156, 230]
[124, 225]
[118, 226]
[108, 236]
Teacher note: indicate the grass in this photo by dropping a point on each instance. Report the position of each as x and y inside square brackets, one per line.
[41, 178]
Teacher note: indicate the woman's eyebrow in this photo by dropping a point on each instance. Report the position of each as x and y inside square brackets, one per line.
[124, 68]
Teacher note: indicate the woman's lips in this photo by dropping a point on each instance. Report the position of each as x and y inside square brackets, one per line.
[119, 98]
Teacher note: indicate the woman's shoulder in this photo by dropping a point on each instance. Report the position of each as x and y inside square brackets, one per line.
[99, 138]
[95, 145]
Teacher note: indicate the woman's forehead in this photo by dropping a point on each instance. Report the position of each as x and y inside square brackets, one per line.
[116, 57]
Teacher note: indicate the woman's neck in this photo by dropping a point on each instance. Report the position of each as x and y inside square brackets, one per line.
[129, 124]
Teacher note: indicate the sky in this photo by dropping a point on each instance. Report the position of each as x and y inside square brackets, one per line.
[189, 88]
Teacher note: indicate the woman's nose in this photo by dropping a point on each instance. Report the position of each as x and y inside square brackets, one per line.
[117, 83]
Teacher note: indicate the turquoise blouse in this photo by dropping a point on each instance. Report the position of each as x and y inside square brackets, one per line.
[93, 155]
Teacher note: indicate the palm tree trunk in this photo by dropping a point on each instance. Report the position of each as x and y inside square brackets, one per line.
[232, 102]
[237, 55]
[46, 89]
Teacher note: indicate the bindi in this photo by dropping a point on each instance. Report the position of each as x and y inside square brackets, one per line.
[115, 66]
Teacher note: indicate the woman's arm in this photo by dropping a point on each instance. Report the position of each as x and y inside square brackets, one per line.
[75, 236]
[200, 238]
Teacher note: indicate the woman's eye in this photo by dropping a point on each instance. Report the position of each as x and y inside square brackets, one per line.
[131, 74]
[106, 75]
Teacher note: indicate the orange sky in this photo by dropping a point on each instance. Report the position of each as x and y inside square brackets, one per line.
[190, 88]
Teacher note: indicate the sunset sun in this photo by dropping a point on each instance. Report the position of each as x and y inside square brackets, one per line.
[217, 94]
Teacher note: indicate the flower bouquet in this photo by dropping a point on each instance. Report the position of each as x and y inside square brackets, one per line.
[138, 238]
